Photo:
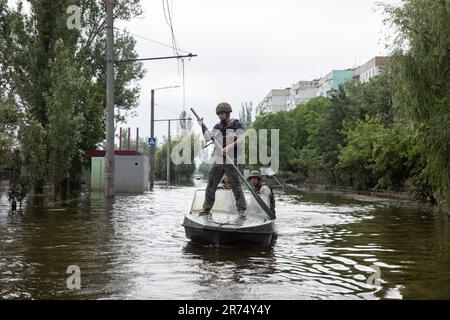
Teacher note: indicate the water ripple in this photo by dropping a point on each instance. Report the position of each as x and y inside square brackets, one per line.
[134, 247]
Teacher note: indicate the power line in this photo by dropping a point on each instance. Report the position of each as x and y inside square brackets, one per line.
[171, 25]
[168, 13]
[168, 17]
[167, 108]
[164, 10]
[169, 21]
[148, 39]
[190, 55]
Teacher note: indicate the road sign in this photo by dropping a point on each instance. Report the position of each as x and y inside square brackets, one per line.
[151, 141]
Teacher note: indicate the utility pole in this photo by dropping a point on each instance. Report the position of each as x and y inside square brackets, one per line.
[109, 156]
[168, 154]
[152, 146]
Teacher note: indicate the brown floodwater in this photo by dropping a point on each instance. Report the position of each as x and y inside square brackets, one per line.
[134, 247]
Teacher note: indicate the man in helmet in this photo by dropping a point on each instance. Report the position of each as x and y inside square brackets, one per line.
[230, 134]
[261, 188]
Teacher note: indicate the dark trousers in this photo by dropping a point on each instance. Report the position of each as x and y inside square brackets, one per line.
[215, 176]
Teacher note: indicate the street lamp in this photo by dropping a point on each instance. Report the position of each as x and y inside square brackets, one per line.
[152, 145]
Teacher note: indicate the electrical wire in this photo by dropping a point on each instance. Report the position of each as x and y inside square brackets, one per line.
[169, 9]
[168, 18]
[168, 13]
[167, 108]
[151, 40]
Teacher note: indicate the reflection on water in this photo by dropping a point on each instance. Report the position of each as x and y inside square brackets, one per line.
[224, 274]
[134, 247]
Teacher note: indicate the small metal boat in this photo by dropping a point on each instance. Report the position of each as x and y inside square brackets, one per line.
[223, 226]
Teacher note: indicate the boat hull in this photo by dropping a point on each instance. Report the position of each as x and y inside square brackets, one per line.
[205, 233]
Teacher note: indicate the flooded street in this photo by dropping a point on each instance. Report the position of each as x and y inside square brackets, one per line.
[134, 247]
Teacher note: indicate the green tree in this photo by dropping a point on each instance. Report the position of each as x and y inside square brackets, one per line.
[371, 98]
[9, 120]
[10, 114]
[375, 156]
[421, 66]
[64, 128]
[179, 172]
[28, 50]
[34, 155]
[323, 122]
[309, 121]
[391, 158]
[286, 124]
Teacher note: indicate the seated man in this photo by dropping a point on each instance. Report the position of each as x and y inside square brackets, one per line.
[263, 190]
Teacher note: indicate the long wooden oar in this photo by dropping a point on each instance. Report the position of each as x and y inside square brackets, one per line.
[258, 199]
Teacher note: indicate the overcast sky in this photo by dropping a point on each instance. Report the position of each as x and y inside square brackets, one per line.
[247, 47]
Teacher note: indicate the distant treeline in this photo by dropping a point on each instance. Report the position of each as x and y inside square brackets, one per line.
[391, 133]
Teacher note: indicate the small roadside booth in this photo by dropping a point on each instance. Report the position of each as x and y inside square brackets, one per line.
[131, 169]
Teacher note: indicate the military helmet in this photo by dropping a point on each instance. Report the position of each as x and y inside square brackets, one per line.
[254, 173]
[223, 107]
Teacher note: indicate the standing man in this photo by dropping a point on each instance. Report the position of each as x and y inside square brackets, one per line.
[230, 135]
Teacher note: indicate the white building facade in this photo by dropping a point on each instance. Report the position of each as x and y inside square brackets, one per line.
[276, 100]
[370, 69]
[333, 80]
[301, 92]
